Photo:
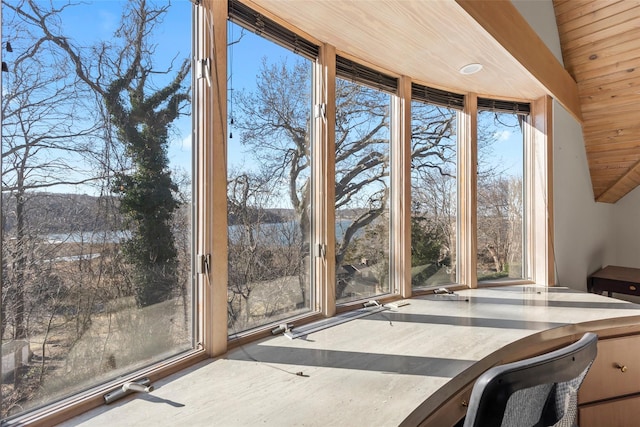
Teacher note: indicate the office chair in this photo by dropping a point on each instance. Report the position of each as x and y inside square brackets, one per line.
[540, 391]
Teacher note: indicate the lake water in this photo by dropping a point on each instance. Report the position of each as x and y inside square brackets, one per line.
[89, 237]
[281, 232]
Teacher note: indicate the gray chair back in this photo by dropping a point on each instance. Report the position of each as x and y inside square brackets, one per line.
[539, 391]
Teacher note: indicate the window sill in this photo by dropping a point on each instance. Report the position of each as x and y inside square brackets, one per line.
[94, 398]
[374, 370]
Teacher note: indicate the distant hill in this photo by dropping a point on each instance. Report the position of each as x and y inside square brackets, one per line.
[52, 213]
[48, 213]
[263, 216]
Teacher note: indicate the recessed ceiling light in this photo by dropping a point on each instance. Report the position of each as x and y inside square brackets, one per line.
[471, 68]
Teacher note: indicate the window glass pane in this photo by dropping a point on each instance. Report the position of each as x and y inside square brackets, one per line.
[433, 195]
[500, 196]
[269, 168]
[96, 193]
[362, 191]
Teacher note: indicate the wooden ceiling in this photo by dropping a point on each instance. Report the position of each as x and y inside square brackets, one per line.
[430, 41]
[600, 42]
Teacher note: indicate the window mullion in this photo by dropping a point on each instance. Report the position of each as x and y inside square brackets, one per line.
[324, 219]
[213, 170]
[467, 192]
[401, 190]
[540, 232]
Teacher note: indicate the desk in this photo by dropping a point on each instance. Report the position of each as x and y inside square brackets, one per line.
[398, 367]
[623, 280]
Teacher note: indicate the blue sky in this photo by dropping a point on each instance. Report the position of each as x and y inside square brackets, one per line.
[244, 63]
[90, 22]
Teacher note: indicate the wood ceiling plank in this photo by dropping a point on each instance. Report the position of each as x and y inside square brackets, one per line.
[603, 123]
[603, 179]
[615, 157]
[617, 143]
[601, 84]
[602, 182]
[606, 50]
[619, 169]
[600, 11]
[599, 45]
[627, 131]
[607, 59]
[604, 103]
[609, 78]
[630, 22]
[600, 150]
[600, 28]
[596, 145]
[625, 144]
[568, 10]
[606, 177]
[597, 161]
[586, 73]
[615, 115]
[622, 90]
[626, 183]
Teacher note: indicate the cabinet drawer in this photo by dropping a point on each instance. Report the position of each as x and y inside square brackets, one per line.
[612, 413]
[615, 372]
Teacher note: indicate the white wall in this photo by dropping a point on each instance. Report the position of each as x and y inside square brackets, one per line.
[583, 228]
[588, 235]
[541, 17]
[626, 230]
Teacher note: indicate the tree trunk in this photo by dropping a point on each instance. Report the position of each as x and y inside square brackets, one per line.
[20, 265]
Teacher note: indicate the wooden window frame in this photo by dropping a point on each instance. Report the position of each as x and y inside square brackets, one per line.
[211, 124]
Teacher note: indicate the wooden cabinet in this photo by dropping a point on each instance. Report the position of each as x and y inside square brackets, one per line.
[610, 394]
[624, 412]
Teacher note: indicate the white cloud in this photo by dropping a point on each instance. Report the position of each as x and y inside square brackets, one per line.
[502, 135]
[186, 143]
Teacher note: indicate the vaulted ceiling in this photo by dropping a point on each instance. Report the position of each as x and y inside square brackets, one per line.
[600, 42]
[430, 40]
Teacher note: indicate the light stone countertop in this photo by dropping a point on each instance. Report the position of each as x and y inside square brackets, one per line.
[370, 371]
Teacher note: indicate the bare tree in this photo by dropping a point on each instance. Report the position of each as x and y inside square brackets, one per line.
[44, 145]
[264, 254]
[141, 113]
[275, 125]
[433, 224]
[500, 210]
[500, 195]
[85, 119]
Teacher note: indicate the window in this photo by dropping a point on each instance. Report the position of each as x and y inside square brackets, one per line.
[501, 195]
[362, 181]
[105, 203]
[269, 172]
[96, 194]
[434, 218]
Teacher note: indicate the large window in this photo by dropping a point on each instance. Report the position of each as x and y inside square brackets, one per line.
[501, 193]
[269, 170]
[311, 188]
[96, 193]
[434, 202]
[362, 181]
